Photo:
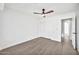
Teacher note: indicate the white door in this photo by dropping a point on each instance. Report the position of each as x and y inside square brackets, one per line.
[68, 30]
[74, 32]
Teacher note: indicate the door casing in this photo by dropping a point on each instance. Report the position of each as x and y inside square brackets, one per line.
[75, 32]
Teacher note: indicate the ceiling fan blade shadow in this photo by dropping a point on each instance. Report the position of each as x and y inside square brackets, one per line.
[49, 11]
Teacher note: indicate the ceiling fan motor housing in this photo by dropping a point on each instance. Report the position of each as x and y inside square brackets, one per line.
[43, 11]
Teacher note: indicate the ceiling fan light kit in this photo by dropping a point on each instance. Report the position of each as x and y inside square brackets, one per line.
[43, 12]
[43, 15]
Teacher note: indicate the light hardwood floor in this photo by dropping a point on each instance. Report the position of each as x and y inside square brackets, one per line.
[40, 46]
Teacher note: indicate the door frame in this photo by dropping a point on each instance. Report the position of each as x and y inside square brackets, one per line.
[62, 29]
[72, 33]
[76, 33]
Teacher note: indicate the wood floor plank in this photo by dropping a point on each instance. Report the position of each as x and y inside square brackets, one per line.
[40, 46]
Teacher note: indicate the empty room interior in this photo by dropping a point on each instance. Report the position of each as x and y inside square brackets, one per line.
[39, 28]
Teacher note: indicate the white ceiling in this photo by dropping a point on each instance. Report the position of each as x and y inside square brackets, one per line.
[36, 7]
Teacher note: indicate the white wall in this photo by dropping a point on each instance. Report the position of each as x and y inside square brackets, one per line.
[16, 28]
[1, 6]
[0, 25]
[1, 12]
[51, 26]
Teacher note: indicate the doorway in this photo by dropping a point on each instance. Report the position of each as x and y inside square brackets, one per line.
[68, 31]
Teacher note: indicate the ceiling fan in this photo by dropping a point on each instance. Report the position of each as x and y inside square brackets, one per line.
[43, 12]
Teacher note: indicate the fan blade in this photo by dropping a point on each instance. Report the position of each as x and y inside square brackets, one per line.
[49, 11]
[37, 13]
